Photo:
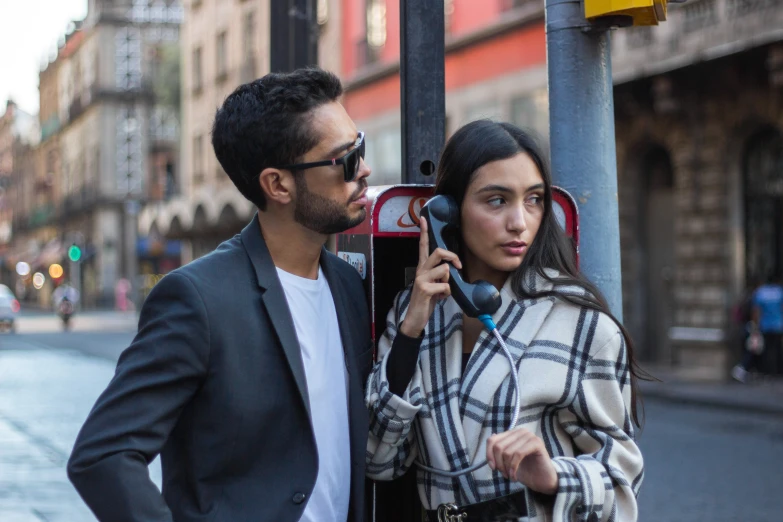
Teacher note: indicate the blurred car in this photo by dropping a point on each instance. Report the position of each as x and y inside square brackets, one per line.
[9, 308]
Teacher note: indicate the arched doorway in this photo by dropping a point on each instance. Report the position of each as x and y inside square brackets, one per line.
[656, 235]
[763, 190]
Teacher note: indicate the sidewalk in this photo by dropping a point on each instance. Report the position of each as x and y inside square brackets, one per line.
[763, 395]
[45, 396]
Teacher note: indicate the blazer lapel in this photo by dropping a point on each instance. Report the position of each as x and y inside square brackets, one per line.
[276, 304]
[358, 423]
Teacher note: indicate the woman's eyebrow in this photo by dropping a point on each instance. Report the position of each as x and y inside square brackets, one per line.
[494, 188]
[537, 186]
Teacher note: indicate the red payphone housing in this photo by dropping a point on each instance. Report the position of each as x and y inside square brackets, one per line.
[384, 249]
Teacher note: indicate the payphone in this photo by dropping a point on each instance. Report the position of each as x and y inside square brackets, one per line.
[384, 249]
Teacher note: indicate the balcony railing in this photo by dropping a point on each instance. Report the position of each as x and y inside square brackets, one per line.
[695, 31]
[508, 5]
[80, 200]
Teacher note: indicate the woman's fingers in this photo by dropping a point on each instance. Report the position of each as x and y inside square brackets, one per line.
[501, 447]
[520, 451]
[439, 256]
[436, 290]
[439, 274]
[424, 243]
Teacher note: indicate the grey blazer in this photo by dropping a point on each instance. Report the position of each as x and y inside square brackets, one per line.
[214, 383]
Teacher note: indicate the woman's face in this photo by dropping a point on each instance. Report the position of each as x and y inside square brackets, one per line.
[501, 214]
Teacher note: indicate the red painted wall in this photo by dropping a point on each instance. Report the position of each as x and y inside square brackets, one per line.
[489, 59]
[470, 15]
[511, 52]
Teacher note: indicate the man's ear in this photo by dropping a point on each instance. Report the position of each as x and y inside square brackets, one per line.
[277, 185]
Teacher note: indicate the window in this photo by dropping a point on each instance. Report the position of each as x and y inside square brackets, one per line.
[448, 14]
[322, 12]
[763, 180]
[221, 55]
[197, 70]
[532, 112]
[376, 23]
[384, 155]
[248, 69]
[198, 160]
[249, 34]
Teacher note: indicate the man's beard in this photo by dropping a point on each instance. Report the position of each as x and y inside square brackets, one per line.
[323, 215]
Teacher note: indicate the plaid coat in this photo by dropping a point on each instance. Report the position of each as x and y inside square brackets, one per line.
[576, 396]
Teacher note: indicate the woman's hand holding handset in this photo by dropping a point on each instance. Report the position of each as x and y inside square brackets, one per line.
[431, 284]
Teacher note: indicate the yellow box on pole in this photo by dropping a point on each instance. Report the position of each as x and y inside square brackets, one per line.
[643, 12]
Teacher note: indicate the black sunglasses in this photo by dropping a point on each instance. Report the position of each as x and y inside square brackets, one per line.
[350, 161]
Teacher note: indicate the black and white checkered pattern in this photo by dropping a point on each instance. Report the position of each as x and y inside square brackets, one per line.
[576, 396]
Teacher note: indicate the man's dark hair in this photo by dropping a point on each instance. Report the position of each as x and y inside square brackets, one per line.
[266, 123]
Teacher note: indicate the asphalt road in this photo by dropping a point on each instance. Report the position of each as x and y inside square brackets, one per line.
[702, 464]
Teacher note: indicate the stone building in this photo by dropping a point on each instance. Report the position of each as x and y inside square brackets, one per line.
[19, 135]
[699, 120]
[110, 138]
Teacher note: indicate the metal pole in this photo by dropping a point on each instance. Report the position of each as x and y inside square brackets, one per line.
[422, 88]
[293, 35]
[581, 115]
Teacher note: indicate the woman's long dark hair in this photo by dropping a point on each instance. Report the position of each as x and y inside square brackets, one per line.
[484, 141]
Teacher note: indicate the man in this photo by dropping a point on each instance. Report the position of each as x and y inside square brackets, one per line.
[246, 374]
[765, 330]
[768, 317]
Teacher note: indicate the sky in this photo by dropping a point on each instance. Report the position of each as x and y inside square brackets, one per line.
[29, 31]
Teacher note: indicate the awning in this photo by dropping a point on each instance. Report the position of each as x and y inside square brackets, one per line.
[154, 247]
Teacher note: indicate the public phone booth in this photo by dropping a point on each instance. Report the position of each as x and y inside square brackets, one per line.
[384, 249]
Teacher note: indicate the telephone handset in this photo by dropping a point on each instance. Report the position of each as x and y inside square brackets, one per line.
[475, 299]
[479, 299]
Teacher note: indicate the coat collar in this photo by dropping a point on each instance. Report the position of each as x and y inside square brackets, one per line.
[518, 321]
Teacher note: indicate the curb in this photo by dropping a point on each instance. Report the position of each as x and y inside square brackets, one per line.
[678, 397]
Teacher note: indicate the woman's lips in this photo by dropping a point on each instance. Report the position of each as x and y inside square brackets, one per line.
[514, 248]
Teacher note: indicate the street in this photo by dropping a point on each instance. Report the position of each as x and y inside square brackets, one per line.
[701, 464]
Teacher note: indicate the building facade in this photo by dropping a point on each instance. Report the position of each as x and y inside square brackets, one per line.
[224, 44]
[19, 136]
[699, 121]
[110, 129]
[700, 157]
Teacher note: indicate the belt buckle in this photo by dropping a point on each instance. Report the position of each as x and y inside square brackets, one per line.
[450, 513]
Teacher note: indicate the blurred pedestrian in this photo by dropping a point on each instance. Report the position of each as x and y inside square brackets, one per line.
[764, 330]
[65, 291]
[248, 370]
[741, 316]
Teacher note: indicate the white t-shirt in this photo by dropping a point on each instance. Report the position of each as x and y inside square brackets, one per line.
[315, 319]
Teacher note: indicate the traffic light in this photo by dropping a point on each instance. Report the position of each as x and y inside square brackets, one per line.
[643, 12]
[74, 253]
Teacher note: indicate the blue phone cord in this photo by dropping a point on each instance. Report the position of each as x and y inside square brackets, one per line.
[489, 324]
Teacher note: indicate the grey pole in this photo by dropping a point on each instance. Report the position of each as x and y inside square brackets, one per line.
[293, 34]
[581, 115]
[422, 88]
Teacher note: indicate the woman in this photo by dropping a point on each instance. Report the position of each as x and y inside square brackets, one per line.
[440, 396]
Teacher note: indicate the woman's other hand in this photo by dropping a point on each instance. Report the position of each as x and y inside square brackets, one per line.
[520, 455]
[431, 284]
